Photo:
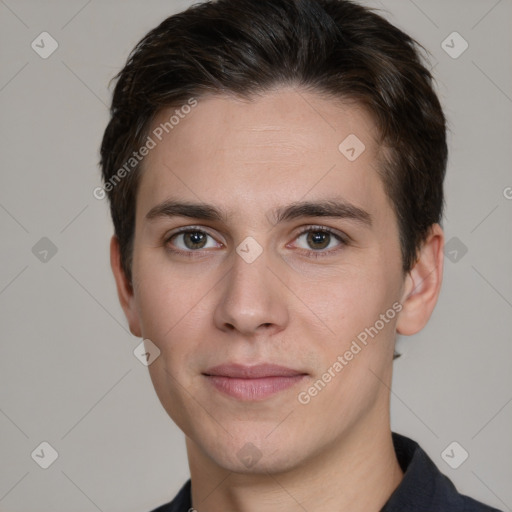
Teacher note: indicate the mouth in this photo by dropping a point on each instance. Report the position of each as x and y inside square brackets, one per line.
[252, 383]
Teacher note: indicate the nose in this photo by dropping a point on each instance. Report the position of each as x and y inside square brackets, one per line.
[253, 299]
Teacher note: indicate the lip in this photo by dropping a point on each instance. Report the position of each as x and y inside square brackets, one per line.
[251, 383]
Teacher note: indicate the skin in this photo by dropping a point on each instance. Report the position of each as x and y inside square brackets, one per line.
[286, 307]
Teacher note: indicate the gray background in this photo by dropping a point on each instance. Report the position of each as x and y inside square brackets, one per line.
[67, 369]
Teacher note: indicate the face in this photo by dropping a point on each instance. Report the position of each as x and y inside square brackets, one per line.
[267, 270]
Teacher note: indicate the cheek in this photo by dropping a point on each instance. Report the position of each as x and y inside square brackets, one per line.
[358, 309]
[166, 294]
[356, 356]
[352, 300]
[168, 314]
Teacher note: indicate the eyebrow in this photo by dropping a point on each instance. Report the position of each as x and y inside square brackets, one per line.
[334, 208]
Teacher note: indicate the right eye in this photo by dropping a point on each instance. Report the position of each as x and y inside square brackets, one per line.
[189, 240]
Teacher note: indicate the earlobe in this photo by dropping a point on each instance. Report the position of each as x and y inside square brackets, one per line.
[124, 288]
[422, 284]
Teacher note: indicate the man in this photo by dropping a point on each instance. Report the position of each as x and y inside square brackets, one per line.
[275, 173]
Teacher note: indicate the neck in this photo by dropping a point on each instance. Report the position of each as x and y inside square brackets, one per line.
[356, 473]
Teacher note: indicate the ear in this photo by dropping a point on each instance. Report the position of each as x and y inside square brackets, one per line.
[124, 288]
[422, 284]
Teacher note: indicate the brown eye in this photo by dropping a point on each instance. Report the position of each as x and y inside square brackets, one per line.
[320, 241]
[194, 239]
[191, 240]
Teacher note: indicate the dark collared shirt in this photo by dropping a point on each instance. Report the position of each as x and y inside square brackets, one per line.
[423, 488]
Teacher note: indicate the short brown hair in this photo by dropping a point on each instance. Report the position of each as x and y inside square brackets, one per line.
[246, 47]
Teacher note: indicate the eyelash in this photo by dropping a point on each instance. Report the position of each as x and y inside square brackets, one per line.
[310, 254]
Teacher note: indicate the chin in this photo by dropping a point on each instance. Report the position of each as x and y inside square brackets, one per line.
[249, 460]
[253, 452]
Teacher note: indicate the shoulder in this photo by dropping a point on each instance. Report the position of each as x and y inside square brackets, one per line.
[424, 488]
[180, 503]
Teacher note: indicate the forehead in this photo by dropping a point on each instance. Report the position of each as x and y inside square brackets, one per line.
[268, 150]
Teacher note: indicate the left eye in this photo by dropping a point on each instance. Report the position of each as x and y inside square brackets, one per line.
[320, 239]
